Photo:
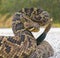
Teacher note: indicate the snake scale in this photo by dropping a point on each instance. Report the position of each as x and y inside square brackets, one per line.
[24, 44]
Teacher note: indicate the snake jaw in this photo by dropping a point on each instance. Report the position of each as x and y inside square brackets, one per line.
[34, 29]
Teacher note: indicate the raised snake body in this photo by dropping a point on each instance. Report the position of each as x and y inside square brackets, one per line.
[24, 44]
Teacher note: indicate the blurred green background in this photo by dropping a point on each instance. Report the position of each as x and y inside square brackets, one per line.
[9, 7]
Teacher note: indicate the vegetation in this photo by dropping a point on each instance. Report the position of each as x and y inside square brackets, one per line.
[9, 7]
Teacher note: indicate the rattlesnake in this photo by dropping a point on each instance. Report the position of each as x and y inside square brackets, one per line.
[24, 44]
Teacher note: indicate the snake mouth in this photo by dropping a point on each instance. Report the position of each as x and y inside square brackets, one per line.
[32, 29]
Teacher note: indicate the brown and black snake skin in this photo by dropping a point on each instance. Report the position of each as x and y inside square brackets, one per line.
[24, 44]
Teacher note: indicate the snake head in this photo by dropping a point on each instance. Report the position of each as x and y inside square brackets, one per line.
[36, 18]
[32, 18]
[42, 17]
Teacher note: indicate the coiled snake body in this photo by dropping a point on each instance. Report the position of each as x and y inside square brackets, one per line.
[24, 44]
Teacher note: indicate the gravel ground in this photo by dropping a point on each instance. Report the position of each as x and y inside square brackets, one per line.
[53, 37]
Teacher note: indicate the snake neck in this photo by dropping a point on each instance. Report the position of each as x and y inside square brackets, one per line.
[18, 25]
